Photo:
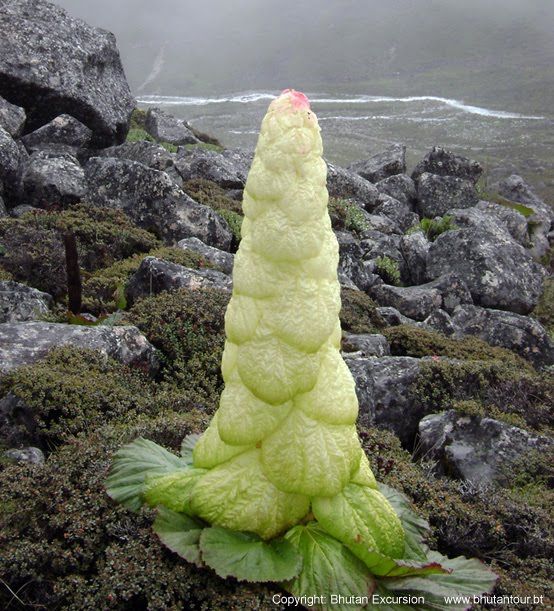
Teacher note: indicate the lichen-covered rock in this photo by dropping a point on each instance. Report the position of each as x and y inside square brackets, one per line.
[498, 272]
[440, 321]
[414, 248]
[513, 220]
[27, 342]
[151, 154]
[30, 455]
[393, 317]
[51, 64]
[64, 134]
[10, 158]
[437, 195]
[12, 118]
[540, 222]
[167, 128]
[153, 201]
[195, 163]
[352, 269]
[383, 387]
[522, 334]
[387, 163]
[219, 258]
[397, 211]
[453, 290]
[475, 449]
[400, 187]
[415, 302]
[366, 344]
[155, 275]
[19, 302]
[346, 184]
[47, 180]
[445, 163]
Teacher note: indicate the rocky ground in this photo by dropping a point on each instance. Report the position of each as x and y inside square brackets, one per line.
[447, 318]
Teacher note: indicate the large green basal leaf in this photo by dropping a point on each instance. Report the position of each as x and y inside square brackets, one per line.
[246, 557]
[363, 520]
[179, 533]
[172, 490]
[187, 447]
[467, 578]
[132, 464]
[328, 569]
[415, 527]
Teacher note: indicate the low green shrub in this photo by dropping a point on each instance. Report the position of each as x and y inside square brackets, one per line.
[75, 390]
[500, 387]
[432, 228]
[359, 312]
[346, 215]
[211, 194]
[544, 311]
[34, 252]
[187, 326]
[66, 545]
[388, 270]
[103, 291]
[408, 340]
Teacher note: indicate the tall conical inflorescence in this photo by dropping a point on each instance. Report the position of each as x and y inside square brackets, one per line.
[278, 487]
[284, 435]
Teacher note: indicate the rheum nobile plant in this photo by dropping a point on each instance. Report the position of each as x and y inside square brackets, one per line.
[278, 488]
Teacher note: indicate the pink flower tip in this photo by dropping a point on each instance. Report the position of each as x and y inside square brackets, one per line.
[298, 99]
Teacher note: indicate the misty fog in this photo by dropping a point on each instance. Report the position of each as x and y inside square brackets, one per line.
[495, 52]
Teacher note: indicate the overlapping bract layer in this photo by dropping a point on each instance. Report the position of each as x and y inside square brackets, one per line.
[284, 435]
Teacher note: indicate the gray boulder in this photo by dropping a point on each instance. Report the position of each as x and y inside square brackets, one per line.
[396, 211]
[412, 301]
[64, 134]
[19, 302]
[151, 154]
[445, 163]
[498, 272]
[383, 387]
[241, 161]
[393, 317]
[352, 269]
[167, 128]
[365, 344]
[45, 180]
[389, 162]
[78, 71]
[437, 195]
[400, 187]
[522, 334]
[414, 248]
[19, 211]
[453, 290]
[18, 425]
[24, 343]
[154, 202]
[345, 184]
[480, 450]
[10, 158]
[12, 118]
[440, 321]
[513, 221]
[29, 455]
[220, 258]
[155, 275]
[514, 188]
[209, 165]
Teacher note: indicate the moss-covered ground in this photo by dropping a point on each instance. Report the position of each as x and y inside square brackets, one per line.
[65, 545]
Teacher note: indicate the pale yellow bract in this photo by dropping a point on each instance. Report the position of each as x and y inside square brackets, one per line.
[284, 442]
